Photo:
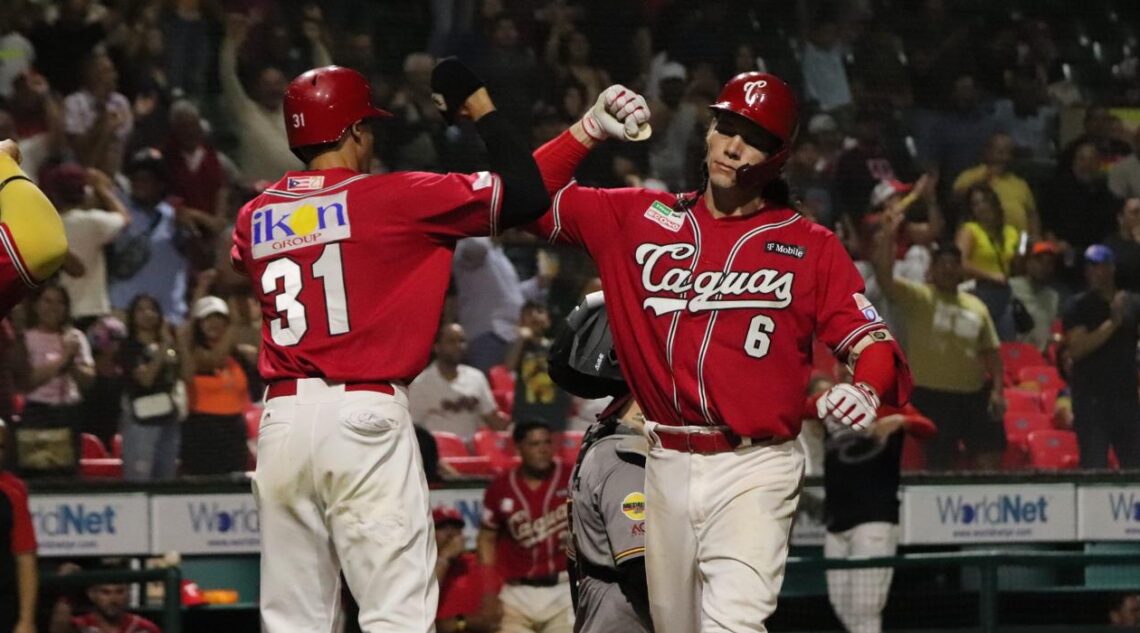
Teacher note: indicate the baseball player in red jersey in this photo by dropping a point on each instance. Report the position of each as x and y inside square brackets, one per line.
[714, 298]
[32, 241]
[525, 523]
[350, 271]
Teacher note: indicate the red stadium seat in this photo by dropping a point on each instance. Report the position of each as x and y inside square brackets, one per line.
[91, 447]
[1015, 355]
[101, 468]
[450, 445]
[471, 466]
[117, 446]
[1022, 400]
[1045, 376]
[497, 446]
[501, 378]
[505, 400]
[1054, 450]
[1018, 426]
[569, 443]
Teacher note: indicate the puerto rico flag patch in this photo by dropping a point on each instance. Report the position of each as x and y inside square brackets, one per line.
[665, 216]
[866, 307]
[304, 183]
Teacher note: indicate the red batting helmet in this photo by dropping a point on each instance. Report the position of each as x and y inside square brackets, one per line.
[768, 102]
[322, 103]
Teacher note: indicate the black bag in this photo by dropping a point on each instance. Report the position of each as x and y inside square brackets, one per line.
[1022, 321]
[126, 258]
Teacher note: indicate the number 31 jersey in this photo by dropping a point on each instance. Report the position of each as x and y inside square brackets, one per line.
[350, 270]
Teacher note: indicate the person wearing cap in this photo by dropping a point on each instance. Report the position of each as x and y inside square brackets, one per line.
[1035, 291]
[145, 258]
[1125, 244]
[952, 347]
[1016, 198]
[109, 611]
[214, 434]
[19, 580]
[90, 228]
[463, 605]
[1100, 327]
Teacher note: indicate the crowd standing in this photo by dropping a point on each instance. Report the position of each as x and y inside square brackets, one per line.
[980, 163]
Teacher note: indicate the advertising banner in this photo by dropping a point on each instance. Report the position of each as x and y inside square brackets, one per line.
[988, 514]
[90, 525]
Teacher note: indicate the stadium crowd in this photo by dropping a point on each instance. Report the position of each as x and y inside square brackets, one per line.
[979, 162]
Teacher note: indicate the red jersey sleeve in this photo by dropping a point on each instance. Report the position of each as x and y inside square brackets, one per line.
[454, 206]
[23, 534]
[588, 217]
[15, 279]
[493, 498]
[240, 242]
[843, 314]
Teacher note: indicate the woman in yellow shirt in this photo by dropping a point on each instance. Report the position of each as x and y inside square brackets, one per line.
[989, 247]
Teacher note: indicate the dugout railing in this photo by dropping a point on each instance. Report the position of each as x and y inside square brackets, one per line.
[988, 590]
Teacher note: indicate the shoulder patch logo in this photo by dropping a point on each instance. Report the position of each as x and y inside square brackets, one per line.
[287, 226]
[790, 250]
[664, 215]
[866, 307]
[633, 506]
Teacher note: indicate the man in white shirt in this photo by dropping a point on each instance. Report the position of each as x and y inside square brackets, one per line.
[98, 119]
[490, 295]
[449, 396]
[89, 227]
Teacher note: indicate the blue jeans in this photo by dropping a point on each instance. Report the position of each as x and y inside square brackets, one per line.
[150, 451]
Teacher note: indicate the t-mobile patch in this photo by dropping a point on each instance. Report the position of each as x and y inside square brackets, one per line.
[866, 307]
[791, 250]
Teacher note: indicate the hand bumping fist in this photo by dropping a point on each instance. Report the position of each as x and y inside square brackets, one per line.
[619, 113]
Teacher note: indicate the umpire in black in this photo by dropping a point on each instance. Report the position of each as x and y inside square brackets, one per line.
[607, 496]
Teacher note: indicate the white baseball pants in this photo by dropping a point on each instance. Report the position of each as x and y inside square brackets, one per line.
[537, 609]
[859, 595]
[340, 486]
[717, 532]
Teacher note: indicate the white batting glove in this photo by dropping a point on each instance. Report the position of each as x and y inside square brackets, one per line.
[619, 113]
[853, 406]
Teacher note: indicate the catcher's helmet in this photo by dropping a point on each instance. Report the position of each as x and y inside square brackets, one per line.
[770, 103]
[582, 359]
[320, 104]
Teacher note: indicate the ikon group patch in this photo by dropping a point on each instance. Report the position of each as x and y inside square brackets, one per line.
[633, 506]
[664, 215]
[285, 226]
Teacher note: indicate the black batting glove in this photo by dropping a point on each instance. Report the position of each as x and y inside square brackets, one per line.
[452, 82]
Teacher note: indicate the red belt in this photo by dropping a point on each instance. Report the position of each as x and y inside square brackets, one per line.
[288, 387]
[706, 442]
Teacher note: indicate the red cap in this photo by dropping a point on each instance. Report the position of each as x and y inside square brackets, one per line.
[887, 188]
[322, 103]
[770, 103]
[191, 594]
[1046, 248]
[446, 514]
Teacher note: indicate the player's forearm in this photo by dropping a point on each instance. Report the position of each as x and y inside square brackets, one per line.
[876, 367]
[485, 547]
[524, 198]
[27, 580]
[32, 220]
[1082, 342]
[559, 157]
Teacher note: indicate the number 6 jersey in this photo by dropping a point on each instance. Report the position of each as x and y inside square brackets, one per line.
[350, 270]
[712, 318]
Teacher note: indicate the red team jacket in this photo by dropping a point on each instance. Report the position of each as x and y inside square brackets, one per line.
[351, 269]
[531, 523]
[130, 623]
[713, 319]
